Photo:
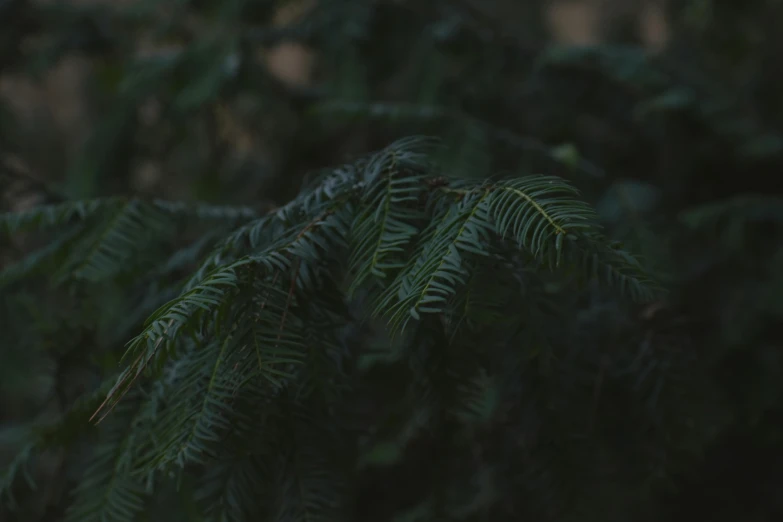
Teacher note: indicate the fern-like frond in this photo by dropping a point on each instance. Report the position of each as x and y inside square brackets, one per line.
[328, 205]
[270, 237]
[273, 344]
[387, 223]
[426, 285]
[58, 215]
[257, 308]
[114, 233]
[124, 230]
[538, 212]
[207, 383]
[190, 426]
[297, 257]
[169, 321]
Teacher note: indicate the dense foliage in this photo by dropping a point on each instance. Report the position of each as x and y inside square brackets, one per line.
[564, 305]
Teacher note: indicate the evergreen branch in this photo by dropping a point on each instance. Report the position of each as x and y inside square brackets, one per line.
[386, 226]
[438, 269]
[212, 293]
[262, 317]
[195, 413]
[129, 228]
[176, 315]
[536, 208]
[61, 214]
[273, 231]
[537, 212]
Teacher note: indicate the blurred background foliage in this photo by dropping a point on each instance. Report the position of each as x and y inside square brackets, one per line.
[666, 114]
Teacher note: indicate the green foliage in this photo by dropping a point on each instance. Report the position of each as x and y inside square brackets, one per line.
[244, 334]
[467, 327]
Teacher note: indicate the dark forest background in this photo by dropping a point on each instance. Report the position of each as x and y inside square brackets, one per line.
[668, 116]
